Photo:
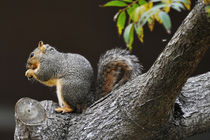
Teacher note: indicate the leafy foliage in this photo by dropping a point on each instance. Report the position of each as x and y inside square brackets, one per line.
[129, 35]
[134, 14]
[121, 22]
[207, 2]
[207, 8]
[116, 3]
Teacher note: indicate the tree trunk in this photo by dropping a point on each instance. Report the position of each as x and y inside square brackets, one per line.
[143, 108]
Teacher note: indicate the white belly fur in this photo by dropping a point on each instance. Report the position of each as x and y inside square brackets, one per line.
[59, 92]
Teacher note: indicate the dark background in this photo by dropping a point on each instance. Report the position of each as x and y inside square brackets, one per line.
[71, 26]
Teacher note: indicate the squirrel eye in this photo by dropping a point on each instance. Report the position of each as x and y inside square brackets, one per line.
[32, 54]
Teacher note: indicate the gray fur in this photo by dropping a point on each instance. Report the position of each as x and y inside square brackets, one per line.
[75, 71]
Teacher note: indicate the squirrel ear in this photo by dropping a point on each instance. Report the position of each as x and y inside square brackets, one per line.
[41, 47]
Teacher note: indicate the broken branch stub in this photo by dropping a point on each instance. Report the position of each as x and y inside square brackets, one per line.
[30, 112]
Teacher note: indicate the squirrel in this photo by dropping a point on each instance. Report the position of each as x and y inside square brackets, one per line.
[72, 74]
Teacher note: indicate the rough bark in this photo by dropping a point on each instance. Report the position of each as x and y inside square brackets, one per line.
[192, 109]
[194, 101]
[144, 107]
[191, 115]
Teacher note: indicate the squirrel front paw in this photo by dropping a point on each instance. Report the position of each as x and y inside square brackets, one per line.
[29, 73]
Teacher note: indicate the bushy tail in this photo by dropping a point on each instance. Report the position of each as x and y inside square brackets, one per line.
[115, 68]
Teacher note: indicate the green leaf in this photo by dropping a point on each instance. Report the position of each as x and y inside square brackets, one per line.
[141, 2]
[187, 3]
[139, 11]
[129, 35]
[183, 1]
[116, 16]
[121, 22]
[207, 9]
[127, 32]
[115, 3]
[146, 15]
[140, 32]
[129, 1]
[177, 6]
[156, 0]
[165, 20]
[131, 10]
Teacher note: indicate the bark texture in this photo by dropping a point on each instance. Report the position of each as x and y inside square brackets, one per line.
[191, 116]
[143, 108]
[192, 109]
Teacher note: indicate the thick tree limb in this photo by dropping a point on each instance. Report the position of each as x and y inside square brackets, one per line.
[142, 108]
[191, 116]
[192, 109]
[194, 101]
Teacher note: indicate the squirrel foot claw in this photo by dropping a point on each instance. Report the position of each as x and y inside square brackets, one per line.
[63, 109]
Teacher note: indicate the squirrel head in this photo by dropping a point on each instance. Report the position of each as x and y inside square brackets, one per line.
[42, 51]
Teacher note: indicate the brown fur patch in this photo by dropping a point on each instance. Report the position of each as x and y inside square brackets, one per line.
[108, 82]
[116, 72]
[50, 83]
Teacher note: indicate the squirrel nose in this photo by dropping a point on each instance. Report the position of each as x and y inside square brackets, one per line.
[31, 66]
[28, 65]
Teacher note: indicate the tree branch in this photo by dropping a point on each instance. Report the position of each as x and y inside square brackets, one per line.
[194, 101]
[142, 108]
[191, 115]
[192, 110]
[163, 82]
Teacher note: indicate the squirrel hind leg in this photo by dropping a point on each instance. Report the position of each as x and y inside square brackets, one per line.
[63, 109]
[116, 73]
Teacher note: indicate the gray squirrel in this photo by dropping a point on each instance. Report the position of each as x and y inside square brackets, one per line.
[72, 74]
